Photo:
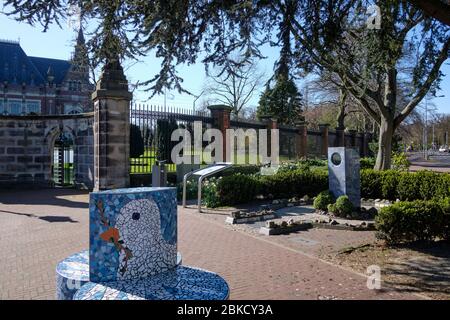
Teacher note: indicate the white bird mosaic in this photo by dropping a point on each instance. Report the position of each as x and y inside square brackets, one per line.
[139, 226]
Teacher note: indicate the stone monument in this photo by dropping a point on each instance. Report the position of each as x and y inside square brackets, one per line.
[344, 176]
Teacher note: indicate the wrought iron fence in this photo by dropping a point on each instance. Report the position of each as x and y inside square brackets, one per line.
[156, 125]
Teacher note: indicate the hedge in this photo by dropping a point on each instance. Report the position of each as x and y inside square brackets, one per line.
[414, 221]
[241, 188]
[406, 186]
[244, 187]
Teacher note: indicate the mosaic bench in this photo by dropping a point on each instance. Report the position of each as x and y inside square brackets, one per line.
[133, 251]
[73, 272]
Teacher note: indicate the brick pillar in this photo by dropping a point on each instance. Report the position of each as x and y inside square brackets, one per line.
[221, 121]
[112, 129]
[340, 137]
[324, 129]
[302, 140]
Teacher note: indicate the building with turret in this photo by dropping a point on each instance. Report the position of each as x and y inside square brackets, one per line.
[44, 86]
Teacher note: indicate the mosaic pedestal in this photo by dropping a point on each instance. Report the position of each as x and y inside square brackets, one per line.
[72, 273]
[133, 252]
[182, 283]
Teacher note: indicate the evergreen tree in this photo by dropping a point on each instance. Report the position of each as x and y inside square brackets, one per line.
[283, 101]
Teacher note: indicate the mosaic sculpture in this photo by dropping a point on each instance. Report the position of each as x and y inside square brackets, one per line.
[133, 252]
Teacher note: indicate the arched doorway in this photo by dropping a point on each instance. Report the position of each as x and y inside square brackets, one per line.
[63, 156]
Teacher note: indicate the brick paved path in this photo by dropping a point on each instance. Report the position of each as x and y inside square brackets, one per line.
[39, 228]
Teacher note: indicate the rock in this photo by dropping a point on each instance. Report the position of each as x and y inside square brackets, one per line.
[363, 209]
[398, 200]
[284, 224]
[356, 215]
[377, 200]
[236, 214]
[291, 222]
[334, 223]
[276, 202]
[290, 205]
[363, 224]
[270, 196]
[348, 217]
[270, 224]
[372, 212]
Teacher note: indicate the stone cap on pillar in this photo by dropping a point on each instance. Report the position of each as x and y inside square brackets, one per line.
[112, 82]
[220, 107]
[323, 126]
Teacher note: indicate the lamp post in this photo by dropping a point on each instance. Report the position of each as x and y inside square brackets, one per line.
[196, 99]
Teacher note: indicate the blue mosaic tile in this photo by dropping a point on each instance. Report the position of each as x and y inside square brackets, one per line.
[72, 273]
[133, 233]
[181, 283]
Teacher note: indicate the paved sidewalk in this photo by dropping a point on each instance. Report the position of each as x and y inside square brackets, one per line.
[39, 228]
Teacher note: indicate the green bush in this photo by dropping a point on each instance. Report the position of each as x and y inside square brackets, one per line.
[323, 200]
[411, 221]
[344, 207]
[210, 196]
[295, 183]
[400, 162]
[389, 187]
[332, 208]
[238, 188]
[243, 169]
[406, 186]
[367, 163]
[371, 184]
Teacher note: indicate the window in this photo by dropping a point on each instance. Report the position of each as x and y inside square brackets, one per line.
[71, 109]
[15, 107]
[33, 106]
[2, 110]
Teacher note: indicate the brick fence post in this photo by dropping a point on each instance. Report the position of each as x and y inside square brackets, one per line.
[302, 139]
[221, 121]
[112, 129]
[324, 129]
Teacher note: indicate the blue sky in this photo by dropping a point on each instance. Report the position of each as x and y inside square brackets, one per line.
[58, 43]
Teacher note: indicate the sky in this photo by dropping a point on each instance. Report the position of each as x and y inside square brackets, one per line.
[58, 43]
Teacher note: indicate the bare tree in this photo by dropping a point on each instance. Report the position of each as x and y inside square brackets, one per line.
[235, 86]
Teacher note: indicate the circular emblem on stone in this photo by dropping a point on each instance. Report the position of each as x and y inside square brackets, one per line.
[336, 159]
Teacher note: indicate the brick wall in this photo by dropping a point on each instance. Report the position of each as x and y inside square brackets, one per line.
[26, 147]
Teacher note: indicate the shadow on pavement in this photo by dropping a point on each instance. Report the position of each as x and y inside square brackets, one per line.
[43, 197]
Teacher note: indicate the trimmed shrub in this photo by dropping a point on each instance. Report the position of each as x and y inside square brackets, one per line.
[406, 186]
[244, 169]
[323, 200]
[411, 221]
[237, 189]
[389, 187]
[295, 183]
[371, 184]
[332, 208]
[344, 207]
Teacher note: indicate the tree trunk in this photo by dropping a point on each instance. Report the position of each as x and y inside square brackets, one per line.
[385, 144]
